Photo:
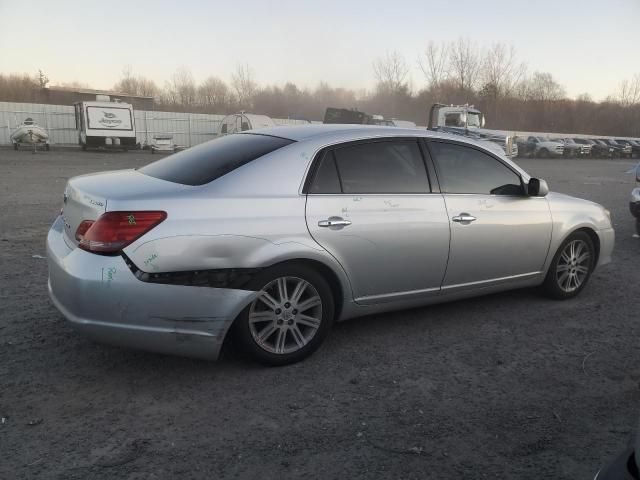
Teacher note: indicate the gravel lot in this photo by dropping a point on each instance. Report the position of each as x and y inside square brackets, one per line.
[506, 386]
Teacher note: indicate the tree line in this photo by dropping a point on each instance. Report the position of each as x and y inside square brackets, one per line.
[493, 79]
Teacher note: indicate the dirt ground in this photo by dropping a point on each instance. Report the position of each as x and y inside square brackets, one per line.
[507, 386]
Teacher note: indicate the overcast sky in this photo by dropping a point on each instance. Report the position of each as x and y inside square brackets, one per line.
[589, 46]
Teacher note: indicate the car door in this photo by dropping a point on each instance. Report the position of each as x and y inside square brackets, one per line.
[369, 204]
[497, 232]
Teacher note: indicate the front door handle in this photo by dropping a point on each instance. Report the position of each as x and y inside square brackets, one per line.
[464, 218]
[334, 222]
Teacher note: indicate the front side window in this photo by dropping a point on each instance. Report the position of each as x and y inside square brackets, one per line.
[384, 167]
[468, 170]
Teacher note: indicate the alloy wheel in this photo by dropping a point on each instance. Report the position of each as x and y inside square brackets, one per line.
[286, 315]
[573, 265]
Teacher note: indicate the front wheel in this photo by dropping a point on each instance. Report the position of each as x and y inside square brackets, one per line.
[543, 153]
[290, 317]
[571, 267]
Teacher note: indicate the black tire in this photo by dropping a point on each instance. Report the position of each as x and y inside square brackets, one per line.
[84, 147]
[552, 285]
[153, 151]
[47, 147]
[15, 146]
[543, 153]
[242, 330]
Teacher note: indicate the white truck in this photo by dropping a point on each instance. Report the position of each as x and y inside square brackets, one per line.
[105, 124]
[468, 121]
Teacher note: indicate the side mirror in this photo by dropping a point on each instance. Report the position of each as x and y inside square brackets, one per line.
[537, 188]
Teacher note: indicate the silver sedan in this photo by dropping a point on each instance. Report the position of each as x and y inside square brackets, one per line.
[272, 235]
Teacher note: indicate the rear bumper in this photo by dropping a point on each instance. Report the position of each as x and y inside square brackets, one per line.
[101, 298]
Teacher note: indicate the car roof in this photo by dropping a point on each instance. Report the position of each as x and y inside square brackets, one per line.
[330, 133]
[347, 132]
[306, 132]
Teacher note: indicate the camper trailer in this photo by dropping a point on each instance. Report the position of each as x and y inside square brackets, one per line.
[105, 124]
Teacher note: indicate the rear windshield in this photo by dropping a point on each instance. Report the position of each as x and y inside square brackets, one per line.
[208, 161]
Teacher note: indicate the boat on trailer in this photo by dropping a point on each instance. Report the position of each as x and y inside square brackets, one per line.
[29, 133]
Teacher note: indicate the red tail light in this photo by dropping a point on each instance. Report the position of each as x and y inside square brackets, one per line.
[115, 230]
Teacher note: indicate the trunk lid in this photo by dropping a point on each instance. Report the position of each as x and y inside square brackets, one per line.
[87, 197]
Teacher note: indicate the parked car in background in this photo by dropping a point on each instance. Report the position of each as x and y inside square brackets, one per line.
[602, 148]
[540, 147]
[591, 146]
[163, 143]
[619, 150]
[570, 149]
[634, 204]
[575, 149]
[275, 234]
[635, 146]
[502, 141]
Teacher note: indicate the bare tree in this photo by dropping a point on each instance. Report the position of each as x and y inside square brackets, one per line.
[181, 88]
[147, 87]
[127, 83]
[464, 64]
[391, 72]
[43, 80]
[434, 64]
[543, 87]
[501, 70]
[135, 85]
[244, 85]
[629, 91]
[214, 94]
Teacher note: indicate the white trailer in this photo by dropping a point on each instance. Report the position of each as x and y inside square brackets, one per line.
[105, 124]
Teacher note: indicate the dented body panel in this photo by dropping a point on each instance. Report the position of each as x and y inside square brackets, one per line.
[101, 298]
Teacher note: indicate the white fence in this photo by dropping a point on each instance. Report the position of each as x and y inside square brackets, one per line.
[187, 128]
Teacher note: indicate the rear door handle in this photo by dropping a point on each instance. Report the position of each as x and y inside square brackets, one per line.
[464, 218]
[334, 222]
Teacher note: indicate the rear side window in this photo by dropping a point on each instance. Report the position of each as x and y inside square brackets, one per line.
[326, 178]
[382, 167]
[208, 161]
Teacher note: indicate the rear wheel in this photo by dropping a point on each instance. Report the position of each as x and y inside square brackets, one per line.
[571, 267]
[289, 319]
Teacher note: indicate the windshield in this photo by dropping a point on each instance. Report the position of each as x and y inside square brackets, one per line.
[473, 120]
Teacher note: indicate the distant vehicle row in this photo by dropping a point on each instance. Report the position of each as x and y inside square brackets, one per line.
[544, 147]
